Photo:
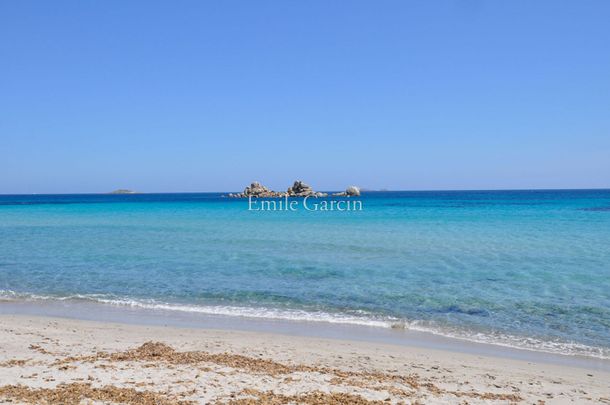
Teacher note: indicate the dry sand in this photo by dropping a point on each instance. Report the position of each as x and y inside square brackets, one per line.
[53, 360]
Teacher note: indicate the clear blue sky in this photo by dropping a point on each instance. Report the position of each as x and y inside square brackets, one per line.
[209, 95]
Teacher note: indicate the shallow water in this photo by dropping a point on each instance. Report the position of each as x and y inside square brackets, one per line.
[521, 268]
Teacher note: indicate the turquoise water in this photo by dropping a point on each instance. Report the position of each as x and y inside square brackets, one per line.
[528, 269]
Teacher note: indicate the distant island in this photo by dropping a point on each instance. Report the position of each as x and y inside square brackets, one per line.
[123, 191]
[298, 189]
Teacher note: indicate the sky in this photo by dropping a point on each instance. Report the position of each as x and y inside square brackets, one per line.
[166, 96]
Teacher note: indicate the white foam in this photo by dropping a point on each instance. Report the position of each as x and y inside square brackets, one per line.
[251, 312]
[221, 310]
[362, 319]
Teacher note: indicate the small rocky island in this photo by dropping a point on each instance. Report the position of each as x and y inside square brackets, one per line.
[298, 189]
[351, 191]
[123, 191]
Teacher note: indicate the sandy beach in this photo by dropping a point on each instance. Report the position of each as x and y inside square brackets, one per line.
[55, 360]
[304, 202]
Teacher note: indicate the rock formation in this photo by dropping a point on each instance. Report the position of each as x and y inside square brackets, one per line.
[300, 189]
[351, 191]
[256, 189]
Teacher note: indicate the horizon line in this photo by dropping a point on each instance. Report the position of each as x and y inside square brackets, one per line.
[364, 190]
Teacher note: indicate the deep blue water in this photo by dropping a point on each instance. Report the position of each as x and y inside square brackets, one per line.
[522, 268]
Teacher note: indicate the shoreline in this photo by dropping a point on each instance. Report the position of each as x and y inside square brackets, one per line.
[106, 361]
[100, 312]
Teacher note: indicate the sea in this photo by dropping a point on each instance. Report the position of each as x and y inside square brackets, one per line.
[528, 269]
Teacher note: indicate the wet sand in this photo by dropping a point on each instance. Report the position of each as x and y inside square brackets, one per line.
[67, 361]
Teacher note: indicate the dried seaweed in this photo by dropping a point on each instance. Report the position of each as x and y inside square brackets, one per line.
[75, 393]
[310, 398]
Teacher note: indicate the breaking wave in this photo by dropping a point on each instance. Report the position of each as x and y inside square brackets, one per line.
[356, 318]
